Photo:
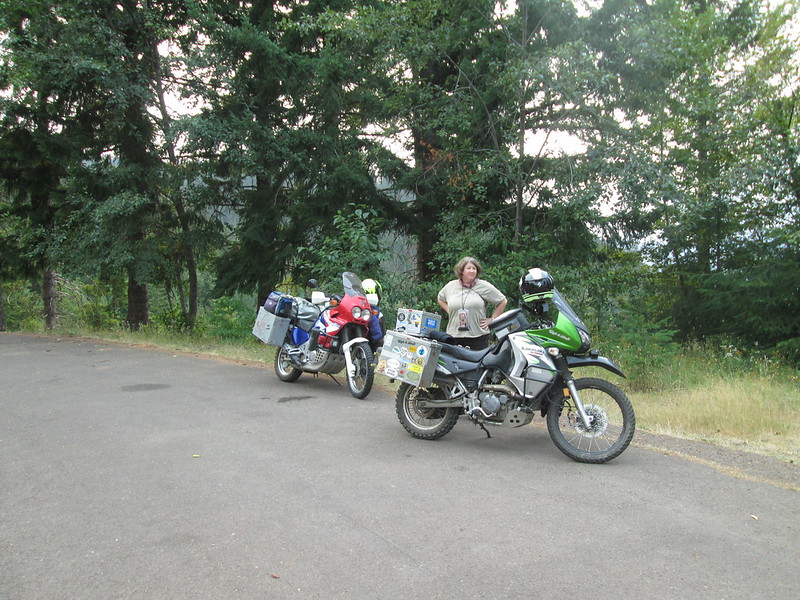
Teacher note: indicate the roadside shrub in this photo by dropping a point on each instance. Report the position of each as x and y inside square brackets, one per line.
[645, 351]
[169, 319]
[230, 318]
[22, 306]
[86, 305]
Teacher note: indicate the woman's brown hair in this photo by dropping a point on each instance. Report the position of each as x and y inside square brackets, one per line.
[459, 268]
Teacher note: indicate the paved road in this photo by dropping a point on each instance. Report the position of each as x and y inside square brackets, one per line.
[130, 473]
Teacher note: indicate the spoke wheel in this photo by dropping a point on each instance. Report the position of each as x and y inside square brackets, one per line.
[611, 430]
[284, 367]
[360, 383]
[424, 423]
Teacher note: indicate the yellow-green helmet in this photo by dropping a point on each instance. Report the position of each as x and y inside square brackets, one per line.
[372, 287]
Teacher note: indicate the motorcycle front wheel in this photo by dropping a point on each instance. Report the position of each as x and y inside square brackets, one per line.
[360, 383]
[612, 427]
[425, 423]
[284, 367]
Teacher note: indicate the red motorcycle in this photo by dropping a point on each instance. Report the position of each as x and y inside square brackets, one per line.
[328, 335]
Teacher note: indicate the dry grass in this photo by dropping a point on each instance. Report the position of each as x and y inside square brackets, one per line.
[745, 411]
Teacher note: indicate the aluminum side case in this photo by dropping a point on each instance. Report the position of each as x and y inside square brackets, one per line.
[417, 322]
[269, 328]
[409, 358]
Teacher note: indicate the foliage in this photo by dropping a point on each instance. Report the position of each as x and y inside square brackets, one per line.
[352, 242]
[393, 138]
[643, 348]
[229, 318]
[21, 304]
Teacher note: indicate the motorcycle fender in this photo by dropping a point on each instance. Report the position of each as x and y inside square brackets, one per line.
[597, 361]
[348, 356]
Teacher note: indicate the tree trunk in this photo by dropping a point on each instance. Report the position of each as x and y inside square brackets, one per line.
[426, 237]
[49, 299]
[138, 309]
[2, 310]
[519, 191]
[429, 203]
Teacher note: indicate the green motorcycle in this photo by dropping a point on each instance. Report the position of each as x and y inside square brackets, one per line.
[528, 370]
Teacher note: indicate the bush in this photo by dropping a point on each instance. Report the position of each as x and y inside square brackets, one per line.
[645, 350]
[230, 318]
[169, 319]
[22, 306]
[86, 305]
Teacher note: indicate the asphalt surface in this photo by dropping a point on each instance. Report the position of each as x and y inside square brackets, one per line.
[133, 473]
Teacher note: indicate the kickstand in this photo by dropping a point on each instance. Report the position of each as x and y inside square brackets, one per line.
[479, 424]
[339, 383]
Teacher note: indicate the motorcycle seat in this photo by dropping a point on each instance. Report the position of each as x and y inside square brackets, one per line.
[457, 351]
[440, 336]
[466, 353]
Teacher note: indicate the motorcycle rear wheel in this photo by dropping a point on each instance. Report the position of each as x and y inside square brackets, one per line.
[284, 367]
[360, 384]
[424, 423]
[611, 431]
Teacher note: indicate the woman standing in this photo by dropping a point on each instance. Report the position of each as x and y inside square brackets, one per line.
[465, 300]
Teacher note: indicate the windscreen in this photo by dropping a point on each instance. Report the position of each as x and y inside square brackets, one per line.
[352, 284]
[564, 307]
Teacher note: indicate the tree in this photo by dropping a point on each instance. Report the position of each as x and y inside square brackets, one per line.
[707, 171]
[481, 90]
[99, 66]
[43, 91]
[285, 114]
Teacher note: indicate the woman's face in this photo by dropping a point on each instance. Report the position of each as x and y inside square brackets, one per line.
[469, 273]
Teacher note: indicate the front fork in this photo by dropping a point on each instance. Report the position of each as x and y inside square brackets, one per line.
[560, 362]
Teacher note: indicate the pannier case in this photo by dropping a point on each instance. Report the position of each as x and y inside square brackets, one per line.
[417, 322]
[408, 358]
[270, 328]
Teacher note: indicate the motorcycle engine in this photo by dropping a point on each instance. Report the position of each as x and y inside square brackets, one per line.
[492, 403]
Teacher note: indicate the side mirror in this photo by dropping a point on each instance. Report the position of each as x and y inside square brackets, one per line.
[312, 283]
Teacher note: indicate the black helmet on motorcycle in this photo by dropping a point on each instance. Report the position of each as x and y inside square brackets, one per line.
[535, 285]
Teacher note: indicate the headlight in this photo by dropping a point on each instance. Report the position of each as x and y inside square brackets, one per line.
[356, 312]
[587, 341]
